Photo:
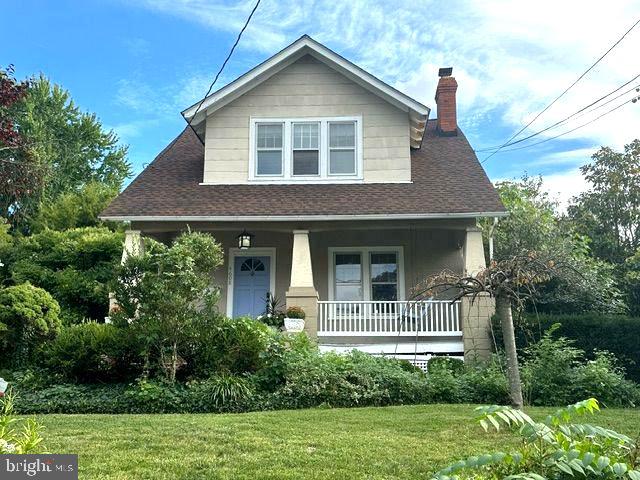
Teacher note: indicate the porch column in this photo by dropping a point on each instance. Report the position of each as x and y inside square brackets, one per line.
[302, 292]
[133, 247]
[476, 315]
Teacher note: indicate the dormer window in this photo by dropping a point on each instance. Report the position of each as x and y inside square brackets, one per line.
[310, 150]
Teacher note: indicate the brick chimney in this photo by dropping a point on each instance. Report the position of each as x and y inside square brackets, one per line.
[446, 101]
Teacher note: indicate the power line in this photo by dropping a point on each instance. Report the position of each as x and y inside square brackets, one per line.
[633, 100]
[578, 114]
[564, 92]
[246, 24]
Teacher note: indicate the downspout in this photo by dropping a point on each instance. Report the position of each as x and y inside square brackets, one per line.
[491, 232]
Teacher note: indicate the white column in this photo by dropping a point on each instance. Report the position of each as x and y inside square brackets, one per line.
[301, 270]
[302, 292]
[476, 313]
[133, 245]
[474, 260]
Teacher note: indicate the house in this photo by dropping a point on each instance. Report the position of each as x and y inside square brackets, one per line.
[349, 194]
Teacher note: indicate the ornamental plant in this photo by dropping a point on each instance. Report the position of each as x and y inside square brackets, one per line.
[555, 448]
[17, 435]
[296, 312]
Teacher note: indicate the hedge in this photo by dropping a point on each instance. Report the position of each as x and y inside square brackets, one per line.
[617, 334]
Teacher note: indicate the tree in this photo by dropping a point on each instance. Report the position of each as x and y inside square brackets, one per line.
[70, 149]
[609, 213]
[510, 281]
[20, 174]
[534, 226]
[28, 317]
[167, 297]
[75, 208]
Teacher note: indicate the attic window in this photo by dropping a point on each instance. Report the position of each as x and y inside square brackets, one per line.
[307, 150]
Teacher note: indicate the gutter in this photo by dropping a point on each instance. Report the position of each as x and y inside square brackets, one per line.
[296, 218]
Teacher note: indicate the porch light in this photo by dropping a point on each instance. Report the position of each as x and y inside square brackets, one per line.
[244, 240]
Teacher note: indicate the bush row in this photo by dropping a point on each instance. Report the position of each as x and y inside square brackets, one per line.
[617, 334]
[294, 375]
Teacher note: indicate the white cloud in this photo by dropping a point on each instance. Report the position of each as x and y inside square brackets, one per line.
[563, 186]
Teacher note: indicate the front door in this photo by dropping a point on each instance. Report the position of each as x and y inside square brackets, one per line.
[251, 283]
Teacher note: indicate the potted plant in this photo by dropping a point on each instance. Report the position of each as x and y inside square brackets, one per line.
[294, 319]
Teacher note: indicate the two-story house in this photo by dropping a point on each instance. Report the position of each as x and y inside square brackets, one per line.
[349, 196]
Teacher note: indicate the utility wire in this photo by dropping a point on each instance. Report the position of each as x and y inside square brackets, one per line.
[578, 114]
[564, 92]
[246, 24]
[633, 100]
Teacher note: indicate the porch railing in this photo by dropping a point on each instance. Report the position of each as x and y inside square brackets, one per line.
[389, 318]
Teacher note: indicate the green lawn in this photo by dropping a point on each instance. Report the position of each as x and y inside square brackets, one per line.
[393, 442]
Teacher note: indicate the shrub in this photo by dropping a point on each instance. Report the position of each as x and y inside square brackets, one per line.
[93, 352]
[454, 365]
[486, 382]
[28, 317]
[17, 436]
[555, 448]
[555, 371]
[220, 393]
[591, 332]
[75, 266]
[296, 312]
[231, 345]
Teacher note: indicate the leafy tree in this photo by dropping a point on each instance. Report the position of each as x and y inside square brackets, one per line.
[28, 317]
[20, 174]
[533, 226]
[70, 149]
[75, 208]
[609, 213]
[75, 266]
[167, 297]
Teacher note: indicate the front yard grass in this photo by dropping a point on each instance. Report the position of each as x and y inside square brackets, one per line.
[365, 443]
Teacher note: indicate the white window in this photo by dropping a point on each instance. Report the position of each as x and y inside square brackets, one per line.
[312, 150]
[342, 148]
[306, 149]
[269, 149]
[366, 273]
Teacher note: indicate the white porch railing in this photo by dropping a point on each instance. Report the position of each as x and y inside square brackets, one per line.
[392, 318]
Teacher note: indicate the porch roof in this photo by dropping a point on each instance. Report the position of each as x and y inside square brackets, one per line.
[447, 181]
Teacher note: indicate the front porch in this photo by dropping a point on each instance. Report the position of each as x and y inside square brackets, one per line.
[355, 280]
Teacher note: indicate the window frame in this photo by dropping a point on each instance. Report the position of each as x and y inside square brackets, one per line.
[365, 255]
[330, 148]
[294, 149]
[287, 151]
[257, 149]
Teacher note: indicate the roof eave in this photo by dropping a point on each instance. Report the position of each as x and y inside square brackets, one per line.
[288, 55]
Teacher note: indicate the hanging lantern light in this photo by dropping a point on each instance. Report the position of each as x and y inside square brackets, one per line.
[244, 240]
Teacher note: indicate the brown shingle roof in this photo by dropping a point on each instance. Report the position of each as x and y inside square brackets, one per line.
[447, 179]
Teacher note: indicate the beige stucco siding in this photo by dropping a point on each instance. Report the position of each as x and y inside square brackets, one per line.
[308, 88]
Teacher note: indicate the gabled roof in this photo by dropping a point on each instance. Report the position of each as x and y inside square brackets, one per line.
[447, 181]
[418, 112]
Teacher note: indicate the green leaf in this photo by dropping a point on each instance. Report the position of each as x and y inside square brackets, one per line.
[565, 468]
[588, 458]
[620, 469]
[634, 474]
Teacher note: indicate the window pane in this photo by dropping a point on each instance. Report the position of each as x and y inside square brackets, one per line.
[348, 269]
[347, 292]
[305, 162]
[384, 291]
[342, 161]
[305, 135]
[269, 136]
[342, 135]
[384, 267]
[269, 162]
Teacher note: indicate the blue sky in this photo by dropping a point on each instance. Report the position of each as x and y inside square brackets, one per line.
[137, 64]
